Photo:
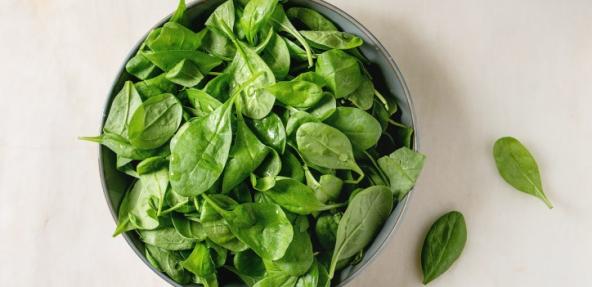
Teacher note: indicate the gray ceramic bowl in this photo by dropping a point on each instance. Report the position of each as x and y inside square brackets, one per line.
[386, 75]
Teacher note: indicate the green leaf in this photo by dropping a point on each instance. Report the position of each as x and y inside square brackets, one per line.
[168, 59]
[166, 238]
[299, 256]
[362, 219]
[332, 40]
[363, 96]
[203, 104]
[341, 72]
[361, 128]
[402, 168]
[185, 73]
[188, 229]
[283, 24]
[277, 56]
[326, 230]
[173, 36]
[201, 151]
[325, 146]
[167, 262]
[125, 103]
[199, 261]
[155, 121]
[277, 280]
[261, 226]
[155, 86]
[179, 15]
[246, 155]
[296, 197]
[223, 19]
[519, 168]
[443, 245]
[255, 15]
[271, 131]
[312, 19]
[298, 94]
[254, 102]
[249, 263]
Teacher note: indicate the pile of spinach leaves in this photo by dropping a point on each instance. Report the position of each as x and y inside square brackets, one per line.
[260, 146]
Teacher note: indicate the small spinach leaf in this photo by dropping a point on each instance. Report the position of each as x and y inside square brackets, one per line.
[155, 121]
[341, 72]
[443, 245]
[519, 168]
[402, 168]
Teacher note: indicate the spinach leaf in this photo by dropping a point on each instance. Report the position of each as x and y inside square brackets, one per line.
[271, 131]
[223, 19]
[185, 73]
[361, 221]
[282, 23]
[299, 256]
[326, 230]
[202, 102]
[312, 19]
[188, 229]
[296, 52]
[166, 60]
[311, 77]
[136, 210]
[292, 167]
[254, 102]
[324, 108]
[256, 14]
[327, 147]
[201, 151]
[218, 45]
[167, 262]
[125, 103]
[249, 263]
[173, 36]
[277, 56]
[311, 278]
[341, 72]
[155, 121]
[519, 168]
[361, 128]
[246, 155]
[216, 228]
[155, 86]
[179, 15]
[297, 119]
[298, 94]
[200, 261]
[278, 279]
[296, 197]
[262, 226]
[443, 245]
[167, 238]
[152, 164]
[363, 96]
[332, 40]
[402, 168]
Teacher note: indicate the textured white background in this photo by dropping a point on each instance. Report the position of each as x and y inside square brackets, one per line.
[477, 70]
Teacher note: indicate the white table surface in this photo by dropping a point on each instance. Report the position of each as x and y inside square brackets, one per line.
[477, 70]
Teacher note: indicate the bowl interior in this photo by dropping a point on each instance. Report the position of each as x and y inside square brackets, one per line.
[387, 78]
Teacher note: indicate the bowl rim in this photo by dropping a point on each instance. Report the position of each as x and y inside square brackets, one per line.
[382, 50]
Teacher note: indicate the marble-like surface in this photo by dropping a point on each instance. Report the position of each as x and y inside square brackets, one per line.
[477, 70]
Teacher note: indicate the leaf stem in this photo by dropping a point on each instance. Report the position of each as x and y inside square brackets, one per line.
[97, 139]
[381, 98]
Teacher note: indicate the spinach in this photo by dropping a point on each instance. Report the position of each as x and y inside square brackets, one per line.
[263, 227]
[327, 147]
[299, 255]
[254, 102]
[155, 121]
[125, 103]
[361, 128]
[185, 74]
[200, 261]
[271, 131]
[443, 245]
[277, 56]
[519, 168]
[332, 40]
[256, 14]
[236, 141]
[246, 155]
[298, 94]
[166, 238]
[361, 221]
[296, 197]
[312, 19]
[341, 72]
[201, 151]
[402, 168]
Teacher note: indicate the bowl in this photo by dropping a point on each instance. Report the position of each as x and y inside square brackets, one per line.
[387, 77]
